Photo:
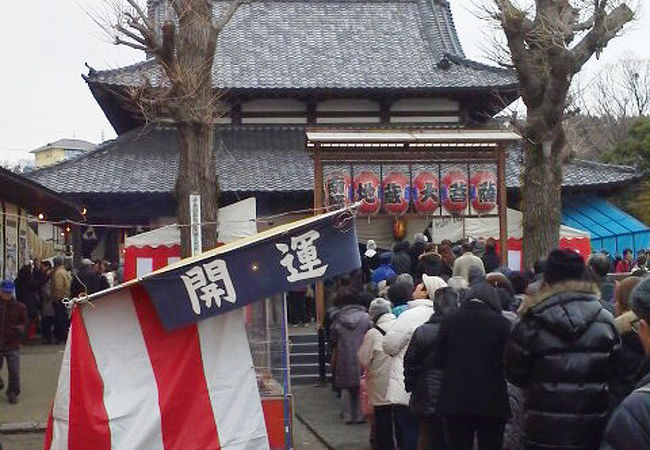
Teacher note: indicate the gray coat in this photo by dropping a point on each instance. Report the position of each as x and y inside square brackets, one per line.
[349, 328]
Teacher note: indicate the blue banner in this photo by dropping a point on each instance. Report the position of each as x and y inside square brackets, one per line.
[232, 279]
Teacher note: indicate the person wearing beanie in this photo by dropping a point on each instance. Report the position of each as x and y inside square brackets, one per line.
[565, 322]
[421, 378]
[429, 286]
[13, 322]
[629, 427]
[377, 366]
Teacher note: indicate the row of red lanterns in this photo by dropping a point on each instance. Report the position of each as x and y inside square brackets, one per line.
[395, 192]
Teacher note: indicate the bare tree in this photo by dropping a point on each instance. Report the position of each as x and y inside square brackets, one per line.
[548, 42]
[611, 103]
[183, 47]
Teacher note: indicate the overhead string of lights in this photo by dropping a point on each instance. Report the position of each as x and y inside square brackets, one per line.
[40, 218]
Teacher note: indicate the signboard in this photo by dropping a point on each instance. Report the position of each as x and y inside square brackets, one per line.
[232, 279]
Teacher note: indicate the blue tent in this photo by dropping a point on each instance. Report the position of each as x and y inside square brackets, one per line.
[610, 228]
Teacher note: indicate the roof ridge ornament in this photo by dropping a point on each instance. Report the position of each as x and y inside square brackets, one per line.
[444, 63]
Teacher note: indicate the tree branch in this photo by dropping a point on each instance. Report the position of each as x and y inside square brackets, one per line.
[605, 28]
[120, 41]
[227, 15]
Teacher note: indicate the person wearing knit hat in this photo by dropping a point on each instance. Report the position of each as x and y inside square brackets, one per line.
[379, 307]
[565, 321]
[377, 365]
[12, 327]
[429, 286]
[628, 427]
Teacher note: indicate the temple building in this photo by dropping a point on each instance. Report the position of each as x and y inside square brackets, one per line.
[286, 66]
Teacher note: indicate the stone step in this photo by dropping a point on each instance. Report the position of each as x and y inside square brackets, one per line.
[303, 347]
[302, 338]
[307, 369]
[303, 358]
[305, 379]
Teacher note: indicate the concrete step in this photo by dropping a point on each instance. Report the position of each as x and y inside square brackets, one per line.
[303, 347]
[303, 358]
[305, 379]
[302, 338]
[307, 369]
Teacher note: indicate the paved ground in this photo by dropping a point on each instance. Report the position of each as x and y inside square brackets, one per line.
[39, 375]
[319, 408]
[304, 440]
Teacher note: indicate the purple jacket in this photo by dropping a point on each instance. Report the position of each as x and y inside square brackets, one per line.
[349, 328]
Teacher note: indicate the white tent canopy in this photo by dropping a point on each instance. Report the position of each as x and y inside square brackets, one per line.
[235, 222]
[381, 228]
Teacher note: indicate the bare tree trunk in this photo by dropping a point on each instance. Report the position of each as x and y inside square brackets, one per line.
[197, 175]
[541, 190]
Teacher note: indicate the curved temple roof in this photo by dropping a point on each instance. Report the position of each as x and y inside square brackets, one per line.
[146, 161]
[334, 44]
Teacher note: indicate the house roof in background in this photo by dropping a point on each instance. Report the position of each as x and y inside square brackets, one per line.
[35, 198]
[67, 144]
[334, 44]
[250, 158]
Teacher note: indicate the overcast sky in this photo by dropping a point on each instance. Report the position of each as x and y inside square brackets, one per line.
[43, 97]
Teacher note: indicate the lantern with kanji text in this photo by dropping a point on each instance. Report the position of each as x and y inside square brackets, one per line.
[425, 192]
[454, 191]
[483, 191]
[396, 193]
[338, 188]
[366, 191]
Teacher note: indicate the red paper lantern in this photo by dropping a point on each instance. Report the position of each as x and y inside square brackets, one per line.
[366, 191]
[396, 193]
[454, 191]
[338, 188]
[426, 192]
[483, 191]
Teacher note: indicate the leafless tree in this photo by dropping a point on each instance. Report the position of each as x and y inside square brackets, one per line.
[548, 42]
[611, 103]
[183, 47]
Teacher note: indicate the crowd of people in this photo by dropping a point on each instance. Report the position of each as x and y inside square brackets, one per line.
[31, 305]
[439, 347]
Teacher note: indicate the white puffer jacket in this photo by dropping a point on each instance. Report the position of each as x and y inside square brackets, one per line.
[396, 342]
[378, 364]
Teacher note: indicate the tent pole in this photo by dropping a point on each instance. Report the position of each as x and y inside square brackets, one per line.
[502, 202]
[319, 292]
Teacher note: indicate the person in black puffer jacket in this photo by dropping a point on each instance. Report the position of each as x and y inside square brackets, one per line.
[629, 426]
[421, 378]
[563, 354]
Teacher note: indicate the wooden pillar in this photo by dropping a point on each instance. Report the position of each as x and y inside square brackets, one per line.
[502, 202]
[318, 204]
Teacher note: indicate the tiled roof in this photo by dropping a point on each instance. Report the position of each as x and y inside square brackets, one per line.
[67, 144]
[250, 158]
[335, 44]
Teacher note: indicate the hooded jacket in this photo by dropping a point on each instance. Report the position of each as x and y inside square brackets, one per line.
[13, 319]
[396, 342]
[421, 378]
[562, 354]
[629, 426]
[375, 361]
[349, 328]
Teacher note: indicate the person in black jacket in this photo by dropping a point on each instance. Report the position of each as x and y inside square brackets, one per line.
[629, 426]
[473, 397]
[563, 354]
[490, 258]
[421, 378]
[87, 280]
